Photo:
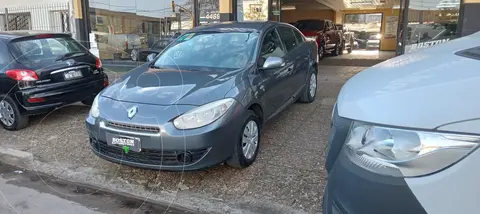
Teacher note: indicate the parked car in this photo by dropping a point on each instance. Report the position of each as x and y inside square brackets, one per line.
[325, 33]
[40, 72]
[205, 98]
[150, 53]
[348, 38]
[373, 42]
[408, 141]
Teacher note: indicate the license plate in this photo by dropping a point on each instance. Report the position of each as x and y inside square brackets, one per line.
[127, 143]
[72, 74]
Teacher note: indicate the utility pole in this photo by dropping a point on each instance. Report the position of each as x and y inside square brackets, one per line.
[196, 14]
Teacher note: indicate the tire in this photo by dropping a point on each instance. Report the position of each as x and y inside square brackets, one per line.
[309, 94]
[19, 121]
[321, 52]
[342, 48]
[336, 52]
[239, 159]
[349, 50]
[134, 55]
[89, 101]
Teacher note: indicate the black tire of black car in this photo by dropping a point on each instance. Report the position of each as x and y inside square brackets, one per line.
[238, 159]
[336, 52]
[21, 121]
[89, 101]
[321, 52]
[306, 97]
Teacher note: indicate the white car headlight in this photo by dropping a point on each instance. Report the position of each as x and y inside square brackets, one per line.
[94, 110]
[405, 153]
[203, 115]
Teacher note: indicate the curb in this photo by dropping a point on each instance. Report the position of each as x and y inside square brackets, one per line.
[96, 180]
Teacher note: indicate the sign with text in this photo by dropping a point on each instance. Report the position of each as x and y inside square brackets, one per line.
[209, 16]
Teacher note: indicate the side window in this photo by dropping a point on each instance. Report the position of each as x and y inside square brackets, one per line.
[329, 25]
[271, 46]
[299, 36]
[288, 37]
[4, 56]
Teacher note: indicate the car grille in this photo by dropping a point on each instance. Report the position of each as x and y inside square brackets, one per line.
[148, 156]
[132, 127]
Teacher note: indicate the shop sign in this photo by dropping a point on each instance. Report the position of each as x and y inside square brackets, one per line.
[414, 47]
[210, 16]
[391, 27]
[276, 13]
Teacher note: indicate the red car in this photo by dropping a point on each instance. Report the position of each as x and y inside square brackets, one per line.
[329, 39]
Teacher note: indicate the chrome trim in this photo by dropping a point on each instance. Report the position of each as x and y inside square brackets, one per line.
[67, 69]
[103, 126]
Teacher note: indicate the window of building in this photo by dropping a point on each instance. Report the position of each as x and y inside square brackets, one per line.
[430, 23]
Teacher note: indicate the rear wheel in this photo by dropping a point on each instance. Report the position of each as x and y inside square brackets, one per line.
[336, 52]
[248, 143]
[310, 90]
[134, 55]
[10, 116]
[321, 52]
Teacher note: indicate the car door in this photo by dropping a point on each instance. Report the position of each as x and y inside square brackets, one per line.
[298, 54]
[272, 80]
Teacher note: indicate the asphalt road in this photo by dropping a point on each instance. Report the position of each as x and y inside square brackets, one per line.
[30, 193]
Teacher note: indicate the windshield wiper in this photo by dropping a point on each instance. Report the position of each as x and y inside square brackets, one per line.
[71, 55]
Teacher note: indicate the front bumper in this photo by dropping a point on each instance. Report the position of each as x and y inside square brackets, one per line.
[166, 150]
[60, 94]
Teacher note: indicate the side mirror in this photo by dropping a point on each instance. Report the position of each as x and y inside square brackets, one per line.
[273, 62]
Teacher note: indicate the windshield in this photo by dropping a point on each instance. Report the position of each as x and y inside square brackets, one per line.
[46, 49]
[314, 25]
[228, 50]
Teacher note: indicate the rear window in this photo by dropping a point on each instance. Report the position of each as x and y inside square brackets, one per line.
[4, 56]
[45, 49]
[314, 25]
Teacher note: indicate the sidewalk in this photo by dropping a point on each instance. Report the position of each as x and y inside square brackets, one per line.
[288, 176]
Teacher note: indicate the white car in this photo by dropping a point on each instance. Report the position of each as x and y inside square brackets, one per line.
[405, 135]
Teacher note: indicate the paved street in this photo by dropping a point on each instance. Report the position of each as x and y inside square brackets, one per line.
[30, 193]
[287, 177]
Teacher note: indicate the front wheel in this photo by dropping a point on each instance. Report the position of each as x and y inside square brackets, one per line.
[10, 116]
[321, 52]
[310, 90]
[134, 55]
[336, 52]
[247, 144]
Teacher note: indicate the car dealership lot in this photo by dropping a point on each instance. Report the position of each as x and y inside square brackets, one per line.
[288, 174]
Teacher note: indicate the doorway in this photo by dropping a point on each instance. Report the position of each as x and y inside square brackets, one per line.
[366, 28]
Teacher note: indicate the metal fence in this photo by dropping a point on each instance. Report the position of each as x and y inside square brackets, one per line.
[52, 17]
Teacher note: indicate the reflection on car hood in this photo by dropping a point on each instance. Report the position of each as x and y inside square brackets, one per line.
[170, 86]
[426, 89]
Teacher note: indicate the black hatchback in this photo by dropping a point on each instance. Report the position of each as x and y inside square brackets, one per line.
[40, 72]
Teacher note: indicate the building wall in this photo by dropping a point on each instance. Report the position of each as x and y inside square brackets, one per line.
[43, 15]
[290, 16]
[385, 44]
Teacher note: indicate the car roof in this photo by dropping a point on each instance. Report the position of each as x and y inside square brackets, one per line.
[10, 35]
[237, 26]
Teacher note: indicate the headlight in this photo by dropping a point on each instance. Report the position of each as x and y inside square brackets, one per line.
[203, 115]
[94, 110]
[405, 153]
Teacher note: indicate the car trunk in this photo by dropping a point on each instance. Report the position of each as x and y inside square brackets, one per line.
[54, 58]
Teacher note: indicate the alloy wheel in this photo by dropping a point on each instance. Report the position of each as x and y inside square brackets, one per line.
[7, 115]
[320, 52]
[250, 139]
[313, 84]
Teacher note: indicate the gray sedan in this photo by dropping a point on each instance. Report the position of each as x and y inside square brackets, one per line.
[204, 99]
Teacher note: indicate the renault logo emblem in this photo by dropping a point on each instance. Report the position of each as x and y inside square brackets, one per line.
[132, 112]
[69, 62]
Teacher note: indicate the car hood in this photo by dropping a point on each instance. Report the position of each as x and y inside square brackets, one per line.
[172, 86]
[427, 89]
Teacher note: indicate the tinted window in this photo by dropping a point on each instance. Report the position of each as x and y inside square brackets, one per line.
[45, 49]
[299, 36]
[288, 38]
[271, 46]
[226, 50]
[313, 25]
[4, 56]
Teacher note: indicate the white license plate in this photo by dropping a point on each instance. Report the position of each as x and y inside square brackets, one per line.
[72, 74]
[133, 143]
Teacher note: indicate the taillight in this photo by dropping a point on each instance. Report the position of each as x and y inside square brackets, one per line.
[22, 75]
[98, 63]
[36, 100]
[105, 82]
[25, 78]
